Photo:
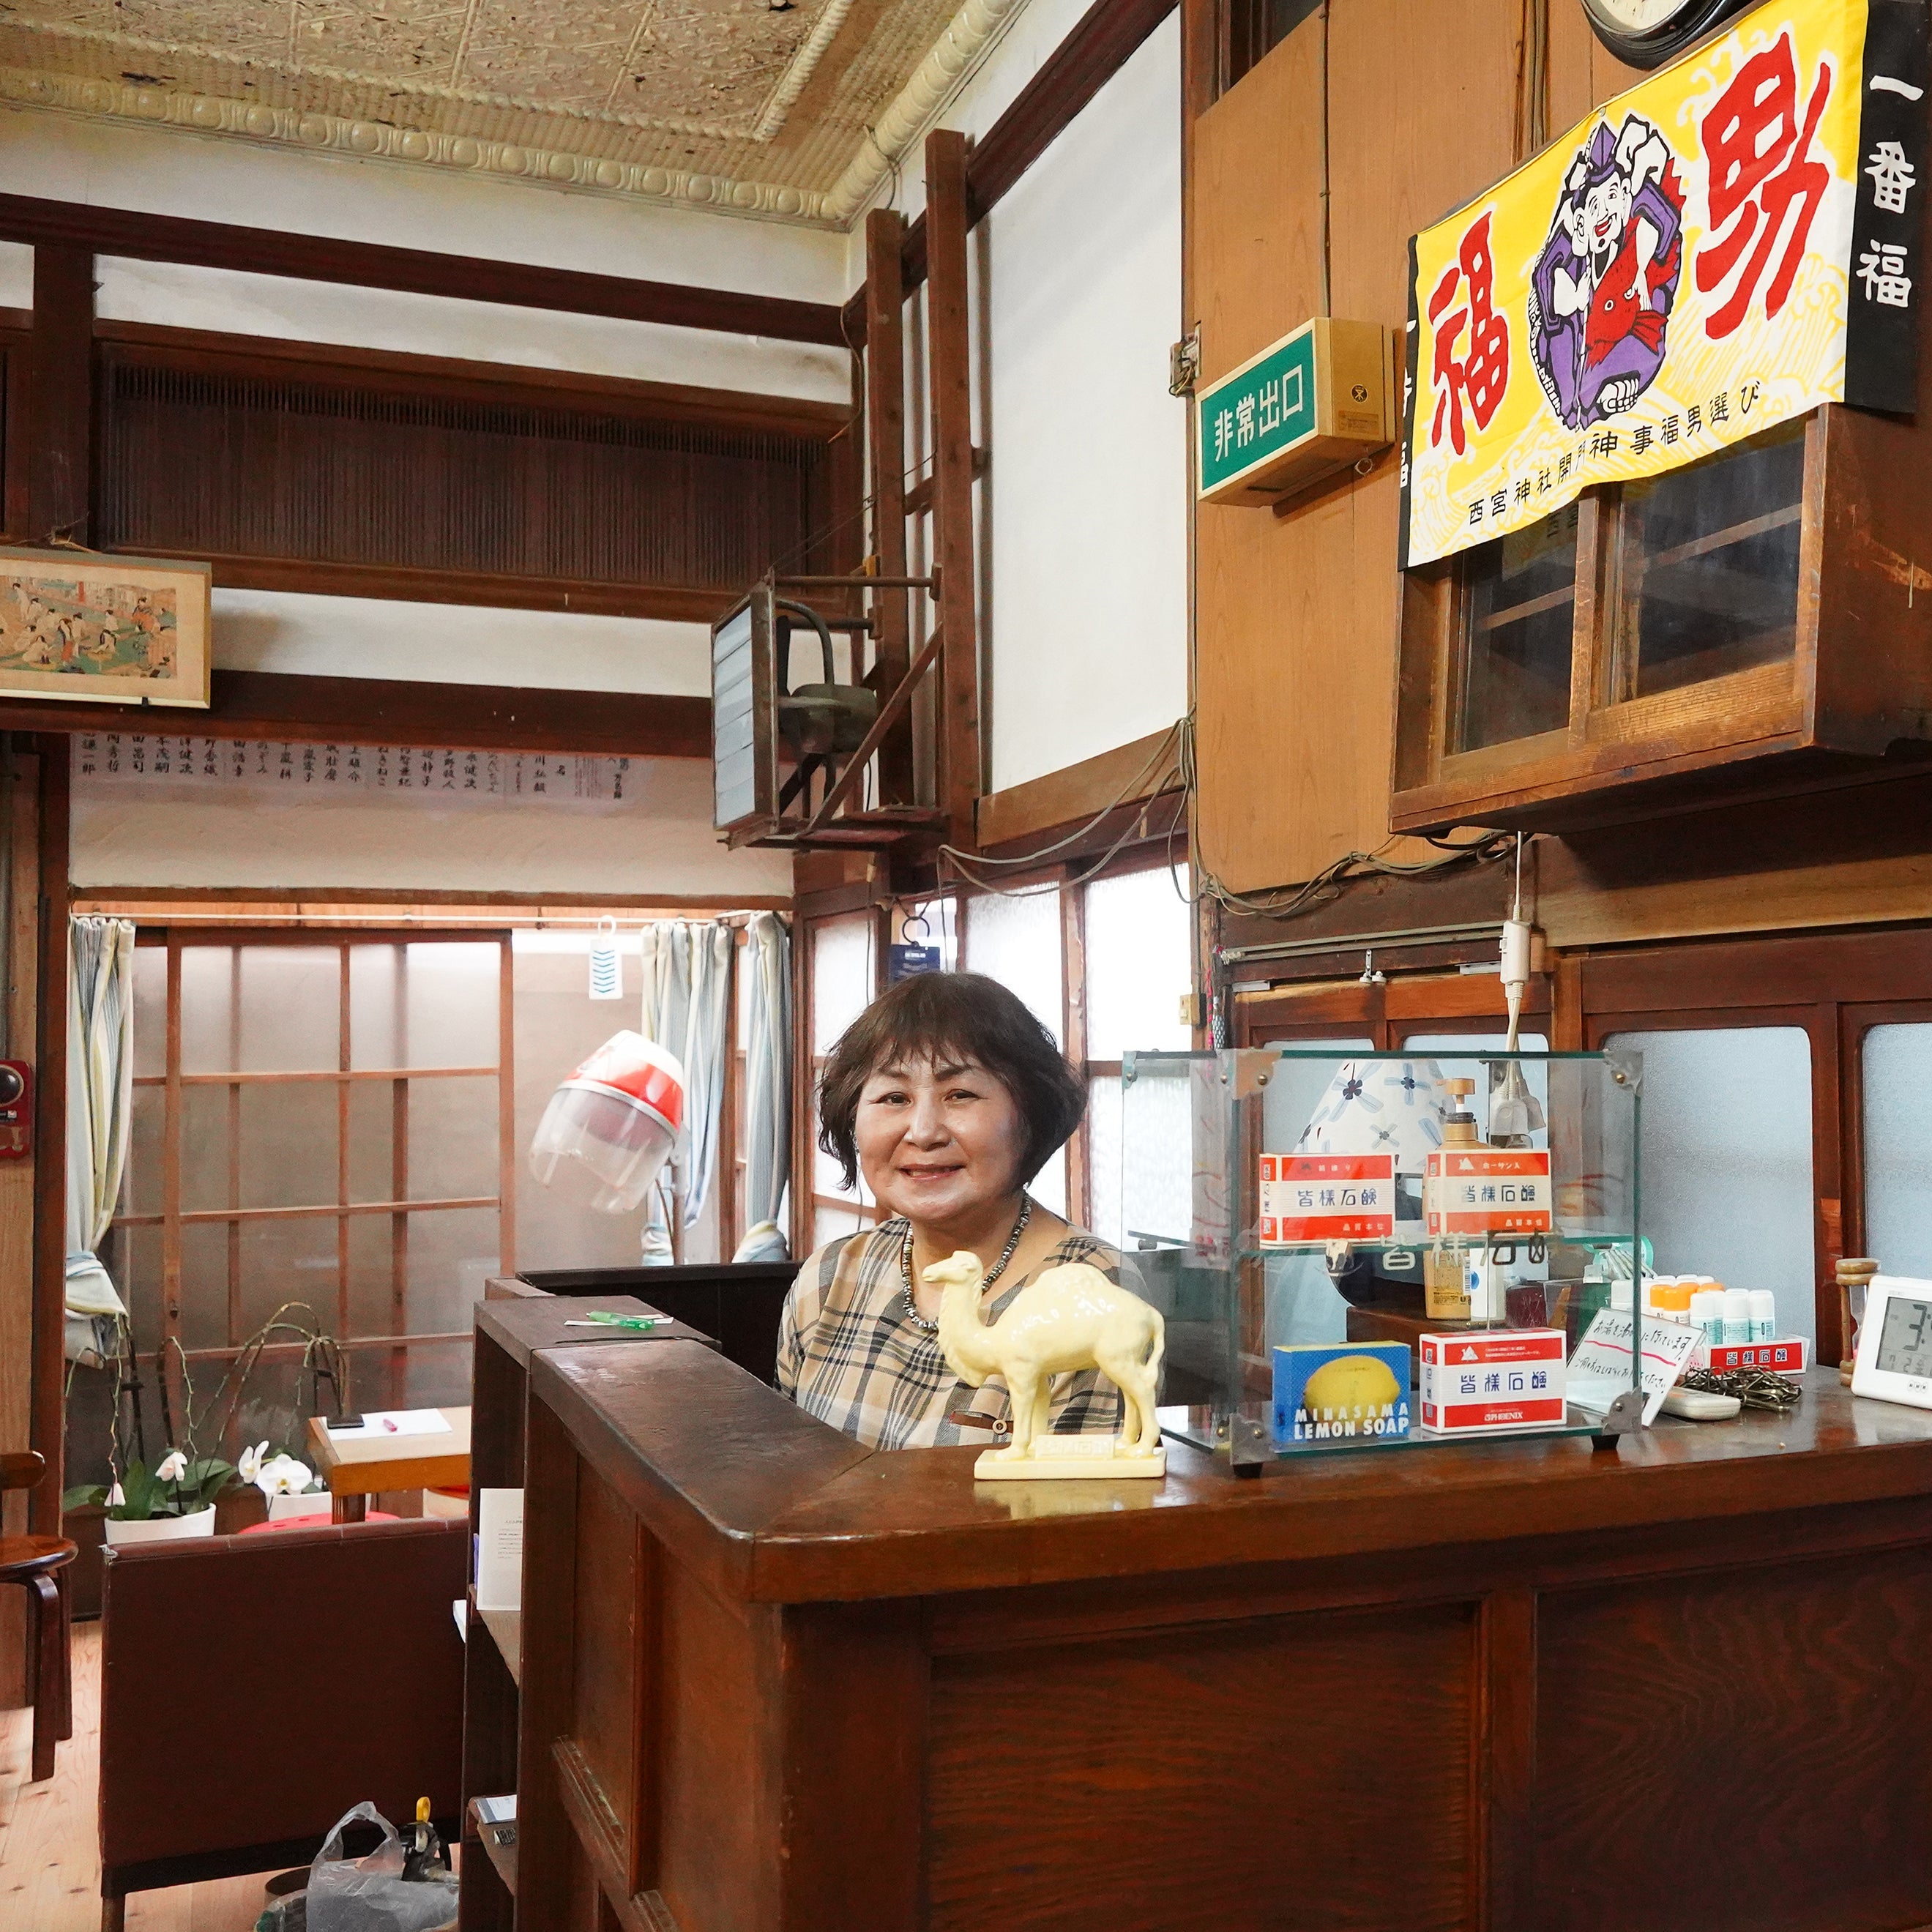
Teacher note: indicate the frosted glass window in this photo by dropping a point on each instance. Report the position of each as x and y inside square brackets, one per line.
[1725, 1144]
[1103, 1157]
[1049, 1186]
[1898, 1063]
[841, 976]
[1155, 1177]
[1139, 964]
[1016, 941]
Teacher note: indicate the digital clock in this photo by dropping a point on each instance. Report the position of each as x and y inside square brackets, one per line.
[1646, 33]
[1895, 1358]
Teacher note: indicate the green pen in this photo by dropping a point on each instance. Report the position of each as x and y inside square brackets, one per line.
[601, 1317]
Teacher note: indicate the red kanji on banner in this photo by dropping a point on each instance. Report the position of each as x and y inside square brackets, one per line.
[1483, 374]
[1761, 166]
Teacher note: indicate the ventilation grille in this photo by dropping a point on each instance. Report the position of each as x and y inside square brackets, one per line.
[222, 465]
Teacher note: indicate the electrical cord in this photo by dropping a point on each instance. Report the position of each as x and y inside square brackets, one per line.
[1487, 848]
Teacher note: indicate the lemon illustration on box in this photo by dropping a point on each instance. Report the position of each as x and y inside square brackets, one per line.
[1328, 1394]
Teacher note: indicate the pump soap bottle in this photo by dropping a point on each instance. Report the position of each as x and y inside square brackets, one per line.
[1446, 1265]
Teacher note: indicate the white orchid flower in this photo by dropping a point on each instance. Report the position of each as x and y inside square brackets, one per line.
[284, 1476]
[115, 1498]
[174, 1466]
[249, 1468]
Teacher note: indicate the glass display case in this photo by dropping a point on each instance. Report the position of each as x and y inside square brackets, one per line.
[1367, 1251]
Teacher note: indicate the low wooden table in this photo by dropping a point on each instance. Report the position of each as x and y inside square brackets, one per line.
[359, 1467]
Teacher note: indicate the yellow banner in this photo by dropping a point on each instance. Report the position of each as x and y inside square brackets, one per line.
[1672, 276]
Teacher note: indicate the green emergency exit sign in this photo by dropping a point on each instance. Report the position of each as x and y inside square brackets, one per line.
[1306, 405]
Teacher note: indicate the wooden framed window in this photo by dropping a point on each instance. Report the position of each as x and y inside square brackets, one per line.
[323, 1119]
[1657, 633]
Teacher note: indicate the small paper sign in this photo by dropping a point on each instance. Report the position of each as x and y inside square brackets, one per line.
[1599, 1370]
[1310, 1199]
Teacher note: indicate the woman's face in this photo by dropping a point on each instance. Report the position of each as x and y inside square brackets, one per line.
[938, 1141]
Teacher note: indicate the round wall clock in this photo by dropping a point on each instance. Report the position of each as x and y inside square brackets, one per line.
[1646, 33]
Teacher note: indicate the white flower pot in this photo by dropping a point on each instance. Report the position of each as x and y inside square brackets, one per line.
[162, 1528]
[317, 1504]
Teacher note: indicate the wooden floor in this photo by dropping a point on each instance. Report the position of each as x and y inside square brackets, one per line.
[49, 1864]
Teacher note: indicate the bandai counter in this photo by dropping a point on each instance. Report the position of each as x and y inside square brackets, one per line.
[773, 1679]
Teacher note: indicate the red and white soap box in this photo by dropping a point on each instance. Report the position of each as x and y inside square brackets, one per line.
[1489, 1381]
[1487, 1191]
[1785, 1358]
[1310, 1199]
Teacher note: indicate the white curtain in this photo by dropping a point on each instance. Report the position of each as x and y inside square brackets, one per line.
[767, 1087]
[687, 995]
[100, 1107]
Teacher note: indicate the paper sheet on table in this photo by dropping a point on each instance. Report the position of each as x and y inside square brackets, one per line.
[394, 1422]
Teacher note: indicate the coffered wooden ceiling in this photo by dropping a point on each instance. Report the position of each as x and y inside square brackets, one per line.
[794, 111]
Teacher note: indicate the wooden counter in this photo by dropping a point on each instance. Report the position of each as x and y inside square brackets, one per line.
[772, 1679]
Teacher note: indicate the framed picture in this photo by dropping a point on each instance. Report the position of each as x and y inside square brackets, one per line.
[114, 630]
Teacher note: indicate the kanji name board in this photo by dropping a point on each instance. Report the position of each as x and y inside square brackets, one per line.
[444, 776]
[1720, 249]
[1305, 407]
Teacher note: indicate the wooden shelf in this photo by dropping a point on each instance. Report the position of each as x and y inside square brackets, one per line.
[506, 1628]
[499, 1842]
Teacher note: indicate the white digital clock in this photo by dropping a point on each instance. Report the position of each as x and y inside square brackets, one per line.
[1646, 33]
[1895, 1358]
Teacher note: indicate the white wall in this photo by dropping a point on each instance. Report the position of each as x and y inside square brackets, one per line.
[1088, 488]
[457, 643]
[65, 158]
[659, 839]
[1086, 497]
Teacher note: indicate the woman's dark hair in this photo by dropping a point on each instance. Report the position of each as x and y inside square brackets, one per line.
[951, 1016]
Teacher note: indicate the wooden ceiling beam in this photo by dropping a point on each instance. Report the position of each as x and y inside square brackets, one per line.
[278, 706]
[370, 264]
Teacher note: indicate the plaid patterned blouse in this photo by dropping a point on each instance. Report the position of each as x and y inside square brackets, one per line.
[848, 1355]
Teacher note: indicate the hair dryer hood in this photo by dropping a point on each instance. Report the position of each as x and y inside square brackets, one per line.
[611, 1125]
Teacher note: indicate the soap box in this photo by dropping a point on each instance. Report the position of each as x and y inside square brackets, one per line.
[1787, 1357]
[1310, 1199]
[1490, 1380]
[1328, 1393]
[1487, 1191]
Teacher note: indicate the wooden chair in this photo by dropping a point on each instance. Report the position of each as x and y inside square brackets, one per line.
[36, 1563]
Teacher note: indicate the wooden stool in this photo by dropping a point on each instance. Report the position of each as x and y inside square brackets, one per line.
[36, 1563]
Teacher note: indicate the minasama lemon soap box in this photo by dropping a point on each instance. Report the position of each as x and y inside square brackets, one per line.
[1327, 1393]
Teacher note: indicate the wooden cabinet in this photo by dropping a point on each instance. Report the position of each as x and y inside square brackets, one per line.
[775, 1682]
[1757, 621]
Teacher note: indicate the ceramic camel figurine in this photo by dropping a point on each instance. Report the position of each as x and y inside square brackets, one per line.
[1071, 1317]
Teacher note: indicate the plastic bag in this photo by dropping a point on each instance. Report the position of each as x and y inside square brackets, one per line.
[285, 1915]
[370, 1894]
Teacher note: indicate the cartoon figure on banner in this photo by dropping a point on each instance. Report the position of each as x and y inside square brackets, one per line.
[1601, 292]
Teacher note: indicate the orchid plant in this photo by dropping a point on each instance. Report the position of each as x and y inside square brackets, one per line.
[184, 1481]
[278, 1475]
[179, 1484]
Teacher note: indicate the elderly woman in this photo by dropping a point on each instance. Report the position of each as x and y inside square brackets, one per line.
[949, 1097]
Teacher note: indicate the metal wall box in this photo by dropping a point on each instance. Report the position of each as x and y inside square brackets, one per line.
[793, 764]
[1318, 400]
[744, 752]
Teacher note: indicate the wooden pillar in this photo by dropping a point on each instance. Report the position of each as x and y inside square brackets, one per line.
[19, 817]
[804, 1232]
[885, 416]
[60, 482]
[948, 352]
[50, 1392]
